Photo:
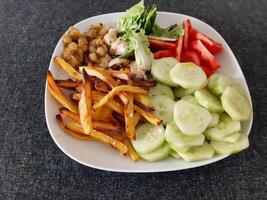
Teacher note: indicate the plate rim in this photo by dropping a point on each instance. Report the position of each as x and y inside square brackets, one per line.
[122, 170]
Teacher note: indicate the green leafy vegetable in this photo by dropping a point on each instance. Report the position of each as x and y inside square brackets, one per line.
[139, 46]
[138, 17]
[173, 31]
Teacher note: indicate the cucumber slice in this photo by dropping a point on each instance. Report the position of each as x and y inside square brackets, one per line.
[191, 99]
[218, 83]
[208, 101]
[159, 154]
[215, 120]
[175, 154]
[231, 138]
[190, 118]
[180, 92]
[161, 89]
[163, 107]
[225, 127]
[178, 140]
[160, 70]
[188, 75]
[230, 148]
[202, 152]
[235, 104]
[148, 138]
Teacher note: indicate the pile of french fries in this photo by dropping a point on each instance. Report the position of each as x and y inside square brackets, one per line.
[105, 105]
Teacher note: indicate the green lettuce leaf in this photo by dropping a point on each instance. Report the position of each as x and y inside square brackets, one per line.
[138, 17]
[174, 31]
[138, 46]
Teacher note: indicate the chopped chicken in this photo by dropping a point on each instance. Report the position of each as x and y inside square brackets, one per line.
[118, 62]
[118, 47]
[137, 71]
[111, 36]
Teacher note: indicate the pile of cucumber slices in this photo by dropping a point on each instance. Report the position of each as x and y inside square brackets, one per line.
[201, 117]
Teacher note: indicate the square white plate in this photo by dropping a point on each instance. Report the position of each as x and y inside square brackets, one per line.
[101, 156]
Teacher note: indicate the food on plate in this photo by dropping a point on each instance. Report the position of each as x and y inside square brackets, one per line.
[149, 91]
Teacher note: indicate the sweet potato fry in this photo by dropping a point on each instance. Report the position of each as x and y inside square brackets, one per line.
[148, 115]
[144, 100]
[58, 95]
[97, 96]
[136, 118]
[117, 90]
[128, 114]
[104, 75]
[143, 83]
[101, 85]
[70, 115]
[98, 125]
[131, 152]
[123, 149]
[68, 68]
[67, 84]
[71, 132]
[85, 105]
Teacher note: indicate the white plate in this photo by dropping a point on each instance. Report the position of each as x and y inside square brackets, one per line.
[101, 156]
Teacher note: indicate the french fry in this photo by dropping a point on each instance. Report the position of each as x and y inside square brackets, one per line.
[119, 74]
[79, 88]
[98, 125]
[105, 114]
[128, 114]
[76, 127]
[97, 96]
[67, 84]
[71, 132]
[144, 100]
[123, 149]
[117, 90]
[103, 75]
[131, 152]
[58, 95]
[148, 116]
[85, 105]
[119, 137]
[68, 68]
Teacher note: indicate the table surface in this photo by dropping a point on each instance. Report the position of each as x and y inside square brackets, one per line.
[33, 167]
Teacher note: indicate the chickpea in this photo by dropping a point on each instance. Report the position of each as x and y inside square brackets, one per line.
[74, 33]
[93, 57]
[100, 51]
[92, 33]
[66, 53]
[72, 46]
[105, 48]
[79, 55]
[103, 30]
[66, 40]
[93, 42]
[97, 26]
[103, 62]
[92, 49]
[99, 42]
[82, 41]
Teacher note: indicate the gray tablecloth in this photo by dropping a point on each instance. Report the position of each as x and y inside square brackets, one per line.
[33, 167]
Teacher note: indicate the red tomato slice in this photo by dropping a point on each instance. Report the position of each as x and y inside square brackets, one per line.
[189, 55]
[207, 71]
[186, 25]
[159, 45]
[179, 48]
[163, 53]
[212, 46]
[205, 55]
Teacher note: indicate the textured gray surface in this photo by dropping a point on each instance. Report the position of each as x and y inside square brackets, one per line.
[33, 167]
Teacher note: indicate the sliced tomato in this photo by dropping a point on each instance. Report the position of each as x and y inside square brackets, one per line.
[163, 53]
[205, 55]
[212, 46]
[179, 48]
[187, 26]
[189, 55]
[160, 45]
[207, 71]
